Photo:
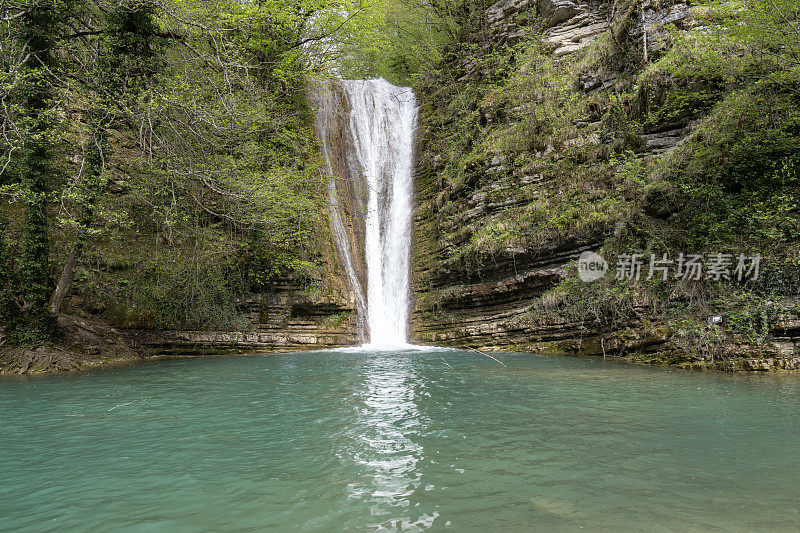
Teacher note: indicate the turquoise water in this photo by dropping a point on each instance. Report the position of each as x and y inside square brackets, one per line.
[331, 441]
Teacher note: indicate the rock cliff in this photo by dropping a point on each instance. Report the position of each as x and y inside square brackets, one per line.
[527, 149]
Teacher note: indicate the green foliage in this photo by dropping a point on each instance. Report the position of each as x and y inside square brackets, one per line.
[737, 177]
[230, 186]
[197, 175]
[130, 54]
[9, 312]
[400, 40]
[604, 305]
[34, 35]
[749, 318]
[177, 291]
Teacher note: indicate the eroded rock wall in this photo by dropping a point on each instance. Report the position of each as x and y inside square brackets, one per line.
[492, 300]
[286, 318]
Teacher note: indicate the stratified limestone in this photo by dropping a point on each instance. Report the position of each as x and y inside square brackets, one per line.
[488, 302]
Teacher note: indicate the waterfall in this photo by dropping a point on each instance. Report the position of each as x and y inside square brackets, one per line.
[378, 136]
[382, 120]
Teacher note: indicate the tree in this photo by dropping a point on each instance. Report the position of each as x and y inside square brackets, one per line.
[34, 27]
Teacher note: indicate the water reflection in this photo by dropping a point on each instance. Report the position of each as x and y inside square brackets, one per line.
[385, 444]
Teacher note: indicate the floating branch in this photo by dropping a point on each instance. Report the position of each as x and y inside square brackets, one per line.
[489, 356]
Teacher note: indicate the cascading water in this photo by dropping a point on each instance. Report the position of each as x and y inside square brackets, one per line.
[382, 119]
[379, 136]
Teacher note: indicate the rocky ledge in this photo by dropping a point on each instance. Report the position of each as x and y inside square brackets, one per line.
[283, 320]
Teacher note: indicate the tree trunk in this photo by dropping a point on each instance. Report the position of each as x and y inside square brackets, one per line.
[91, 187]
[65, 281]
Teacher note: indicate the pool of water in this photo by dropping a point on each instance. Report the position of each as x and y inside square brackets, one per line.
[403, 440]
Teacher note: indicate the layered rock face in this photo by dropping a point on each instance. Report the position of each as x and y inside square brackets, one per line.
[486, 307]
[284, 319]
[492, 300]
[287, 318]
[489, 307]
